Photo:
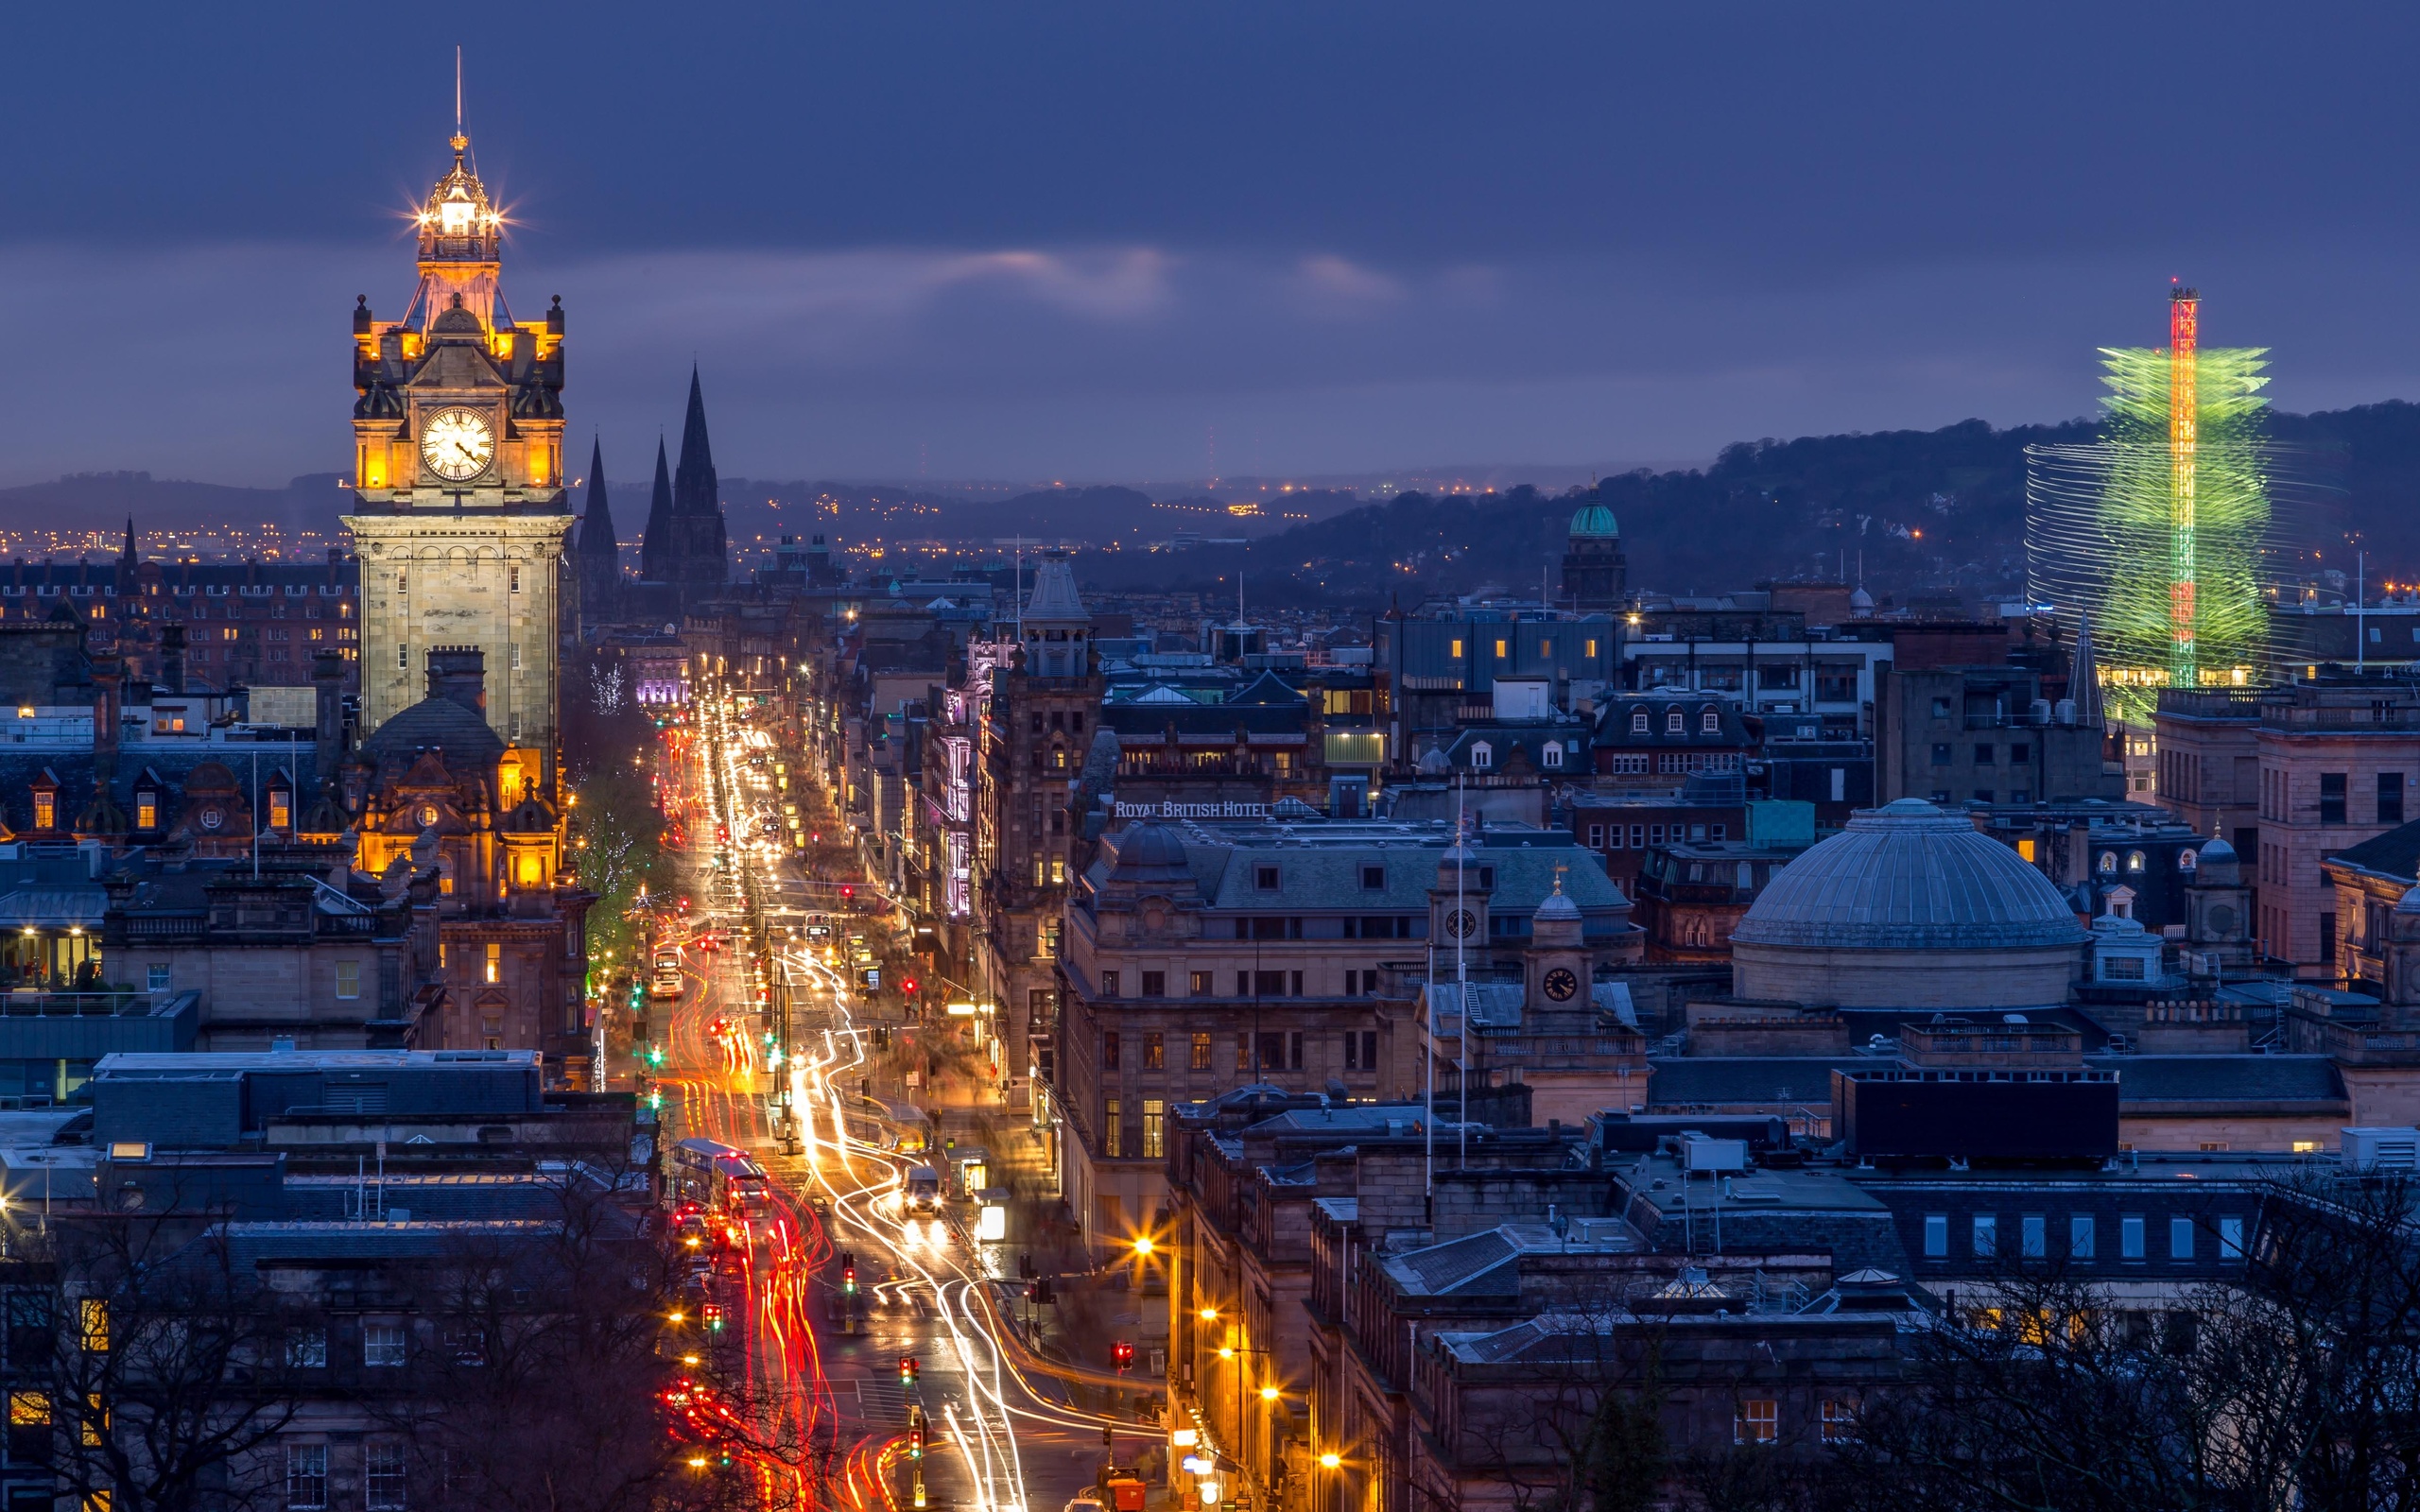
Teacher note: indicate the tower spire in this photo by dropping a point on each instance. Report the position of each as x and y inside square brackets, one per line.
[656, 549]
[460, 140]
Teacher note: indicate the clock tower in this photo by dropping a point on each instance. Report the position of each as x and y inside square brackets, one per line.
[457, 431]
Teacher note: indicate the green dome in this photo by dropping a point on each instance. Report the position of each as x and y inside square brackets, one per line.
[1595, 520]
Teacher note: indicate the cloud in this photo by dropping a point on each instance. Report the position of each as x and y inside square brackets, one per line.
[226, 362]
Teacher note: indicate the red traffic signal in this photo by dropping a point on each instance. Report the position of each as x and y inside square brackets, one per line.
[906, 1369]
[908, 985]
[1122, 1354]
[847, 890]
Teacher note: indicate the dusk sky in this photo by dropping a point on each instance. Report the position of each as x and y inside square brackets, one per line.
[1128, 241]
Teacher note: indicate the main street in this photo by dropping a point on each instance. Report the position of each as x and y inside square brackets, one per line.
[818, 1376]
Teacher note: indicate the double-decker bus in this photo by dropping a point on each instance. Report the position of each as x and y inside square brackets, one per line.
[721, 1178]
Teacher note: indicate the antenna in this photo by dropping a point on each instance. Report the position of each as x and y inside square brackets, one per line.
[458, 89]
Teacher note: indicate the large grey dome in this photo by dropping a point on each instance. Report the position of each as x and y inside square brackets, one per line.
[1909, 877]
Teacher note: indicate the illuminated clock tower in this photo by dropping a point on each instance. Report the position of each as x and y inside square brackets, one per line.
[458, 438]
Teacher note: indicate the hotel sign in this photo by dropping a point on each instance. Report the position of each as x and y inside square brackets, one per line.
[1171, 809]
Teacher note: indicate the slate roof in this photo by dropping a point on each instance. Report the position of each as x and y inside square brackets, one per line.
[2241, 1078]
[2395, 854]
[1676, 1081]
[436, 723]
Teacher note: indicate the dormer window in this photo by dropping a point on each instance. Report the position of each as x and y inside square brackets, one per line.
[1264, 876]
[1639, 721]
[1676, 723]
[1374, 878]
[1483, 756]
[1710, 723]
[1551, 755]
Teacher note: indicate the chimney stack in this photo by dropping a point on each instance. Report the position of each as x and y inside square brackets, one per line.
[172, 657]
[460, 672]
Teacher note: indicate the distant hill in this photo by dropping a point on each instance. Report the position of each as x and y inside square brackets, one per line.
[1925, 510]
[1922, 510]
[101, 502]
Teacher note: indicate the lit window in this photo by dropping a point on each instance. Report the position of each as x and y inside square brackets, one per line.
[1839, 1421]
[1500, 650]
[146, 813]
[1154, 1116]
[1458, 648]
[1592, 649]
[93, 1324]
[495, 962]
[1757, 1422]
[2306, 1146]
[1113, 1130]
[45, 809]
[348, 979]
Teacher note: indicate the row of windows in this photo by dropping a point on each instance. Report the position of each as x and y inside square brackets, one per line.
[1255, 984]
[1299, 926]
[1546, 648]
[512, 575]
[1113, 1128]
[2019, 754]
[2084, 1239]
[1609, 836]
[1281, 1051]
[1985, 795]
[1673, 762]
[1676, 722]
[383, 1476]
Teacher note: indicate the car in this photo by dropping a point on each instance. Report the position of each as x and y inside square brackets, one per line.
[1084, 1501]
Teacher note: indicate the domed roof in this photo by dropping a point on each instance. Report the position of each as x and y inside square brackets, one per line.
[436, 723]
[1909, 877]
[2409, 902]
[1558, 904]
[1593, 519]
[455, 319]
[2214, 850]
[1149, 853]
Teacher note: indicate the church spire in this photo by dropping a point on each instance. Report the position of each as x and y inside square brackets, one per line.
[596, 524]
[656, 551]
[696, 489]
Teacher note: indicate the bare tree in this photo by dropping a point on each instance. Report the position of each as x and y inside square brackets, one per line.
[170, 1370]
[2294, 1387]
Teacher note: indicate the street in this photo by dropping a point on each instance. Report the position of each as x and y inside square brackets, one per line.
[827, 1383]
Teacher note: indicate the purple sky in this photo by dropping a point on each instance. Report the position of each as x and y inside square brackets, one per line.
[1121, 241]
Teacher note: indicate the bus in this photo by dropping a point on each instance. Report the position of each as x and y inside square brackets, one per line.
[721, 1178]
[665, 982]
[924, 1189]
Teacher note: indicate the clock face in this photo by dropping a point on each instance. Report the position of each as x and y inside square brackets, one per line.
[458, 444]
[1461, 923]
[212, 818]
[428, 815]
[1559, 985]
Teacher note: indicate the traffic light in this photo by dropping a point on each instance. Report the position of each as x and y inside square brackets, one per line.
[847, 891]
[848, 1274]
[915, 1433]
[908, 985]
[712, 1314]
[906, 1369]
[1122, 1354]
